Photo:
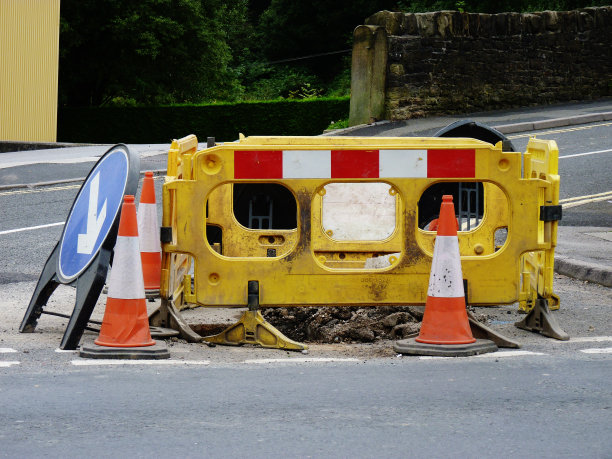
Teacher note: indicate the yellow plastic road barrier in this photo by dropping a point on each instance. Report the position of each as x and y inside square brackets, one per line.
[313, 263]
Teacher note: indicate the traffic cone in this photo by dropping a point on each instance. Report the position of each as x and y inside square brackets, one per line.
[445, 329]
[125, 328]
[148, 230]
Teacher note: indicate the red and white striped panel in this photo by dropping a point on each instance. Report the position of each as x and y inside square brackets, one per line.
[302, 164]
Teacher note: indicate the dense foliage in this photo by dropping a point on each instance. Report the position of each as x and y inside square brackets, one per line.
[222, 121]
[151, 52]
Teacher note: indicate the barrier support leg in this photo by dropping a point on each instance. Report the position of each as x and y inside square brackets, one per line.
[169, 317]
[252, 328]
[481, 331]
[540, 320]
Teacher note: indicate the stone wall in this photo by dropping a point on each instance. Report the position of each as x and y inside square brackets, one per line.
[447, 62]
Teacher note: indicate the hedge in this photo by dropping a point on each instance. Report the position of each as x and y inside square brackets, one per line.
[222, 121]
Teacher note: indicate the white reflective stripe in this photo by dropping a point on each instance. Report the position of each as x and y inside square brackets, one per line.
[125, 281]
[446, 280]
[148, 228]
[402, 163]
[306, 164]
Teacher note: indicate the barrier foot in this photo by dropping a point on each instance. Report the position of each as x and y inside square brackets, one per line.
[168, 316]
[481, 331]
[252, 328]
[540, 320]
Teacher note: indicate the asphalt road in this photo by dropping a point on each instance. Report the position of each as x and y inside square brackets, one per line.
[487, 407]
[585, 160]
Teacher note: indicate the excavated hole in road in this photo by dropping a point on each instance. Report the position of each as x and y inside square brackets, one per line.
[346, 324]
[354, 324]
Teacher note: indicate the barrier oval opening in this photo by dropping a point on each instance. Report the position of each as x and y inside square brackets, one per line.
[362, 211]
[358, 226]
[481, 210]
[262, 221]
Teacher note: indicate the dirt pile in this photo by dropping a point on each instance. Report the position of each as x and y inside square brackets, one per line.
[345, 324]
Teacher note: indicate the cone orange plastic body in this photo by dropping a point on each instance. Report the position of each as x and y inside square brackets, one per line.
[445, 320]
[148, 229]
[126, 322]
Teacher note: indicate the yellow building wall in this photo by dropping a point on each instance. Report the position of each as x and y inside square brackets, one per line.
[29, 53]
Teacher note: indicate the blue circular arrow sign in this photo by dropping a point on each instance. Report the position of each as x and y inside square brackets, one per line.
[93, 213]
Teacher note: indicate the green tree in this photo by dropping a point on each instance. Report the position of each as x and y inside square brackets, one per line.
[147, 51]
[296, 28]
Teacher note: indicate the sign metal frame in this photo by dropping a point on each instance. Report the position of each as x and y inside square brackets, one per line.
[90, 269]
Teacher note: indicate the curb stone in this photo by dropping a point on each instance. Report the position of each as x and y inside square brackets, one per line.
[503, 128]
[583, 270]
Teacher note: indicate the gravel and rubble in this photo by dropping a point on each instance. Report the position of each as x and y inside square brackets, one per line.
[345, 324]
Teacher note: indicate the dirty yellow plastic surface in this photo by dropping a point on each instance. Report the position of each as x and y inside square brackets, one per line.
[309, 266]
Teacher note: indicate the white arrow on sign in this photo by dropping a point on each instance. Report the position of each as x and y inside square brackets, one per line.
[87, 241]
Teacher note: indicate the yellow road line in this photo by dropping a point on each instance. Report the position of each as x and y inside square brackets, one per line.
[43, 188]
[40, 190]
[568, 203]
[578, 198]
[559, 131]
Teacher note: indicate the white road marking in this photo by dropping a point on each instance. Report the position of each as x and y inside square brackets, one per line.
[490, 355]
[302, 360]
[66, 350]
[509, 354]
[29, 228]
[94, 362]
[588, 339]
[8, 364]
[6, 350]
[604, 350]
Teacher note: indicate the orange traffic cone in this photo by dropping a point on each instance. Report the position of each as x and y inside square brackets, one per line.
[446, 328]
[125, 328]
[148, 230]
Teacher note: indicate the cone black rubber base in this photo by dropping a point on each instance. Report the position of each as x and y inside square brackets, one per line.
[411, 347]
[156, 352]
[161, 332]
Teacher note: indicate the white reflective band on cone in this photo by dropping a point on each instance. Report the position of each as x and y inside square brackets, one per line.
[148, 228]
[446, 280]
[125, 281]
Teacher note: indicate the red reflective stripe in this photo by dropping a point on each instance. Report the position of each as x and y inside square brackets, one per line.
[354, 164]
[258, 164]
[451, 163]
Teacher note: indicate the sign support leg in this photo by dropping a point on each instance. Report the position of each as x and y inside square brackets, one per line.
[47, 283]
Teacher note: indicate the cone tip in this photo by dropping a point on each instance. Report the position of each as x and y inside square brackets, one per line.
[447, 198]
[128, 198]
[148, 174]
